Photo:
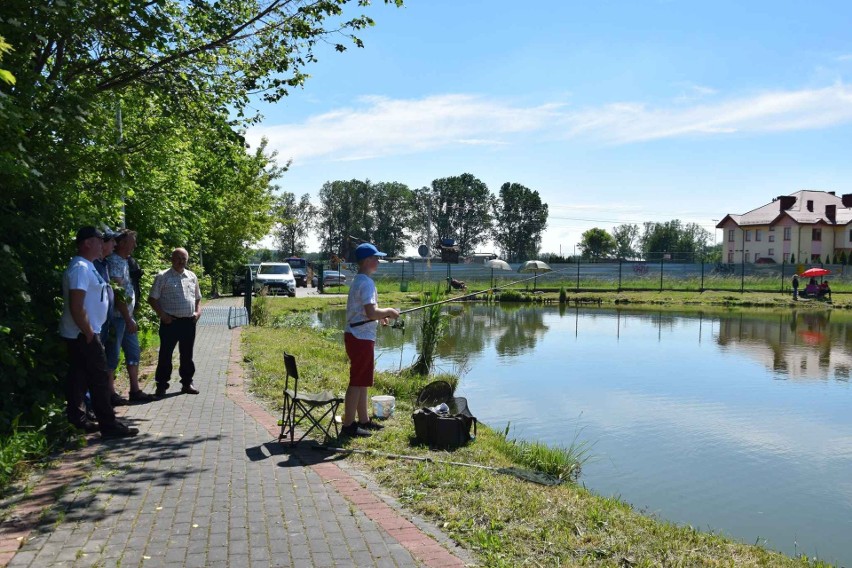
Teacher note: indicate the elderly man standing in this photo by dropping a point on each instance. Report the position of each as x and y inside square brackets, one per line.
[125, 337]
[86, 302]
[176, 297]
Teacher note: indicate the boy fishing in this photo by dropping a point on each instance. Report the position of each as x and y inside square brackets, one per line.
[363, 315]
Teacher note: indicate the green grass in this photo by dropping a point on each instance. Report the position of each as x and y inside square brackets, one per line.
[501, 520]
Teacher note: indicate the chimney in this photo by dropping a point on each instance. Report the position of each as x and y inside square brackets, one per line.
[810, 204]
[787, 201]
[831, 193]
[830, 213]
[847, 199]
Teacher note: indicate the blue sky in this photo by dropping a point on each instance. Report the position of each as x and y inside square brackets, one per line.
[614, 111]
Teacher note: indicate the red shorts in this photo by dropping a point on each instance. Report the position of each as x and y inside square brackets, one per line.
[361, 354]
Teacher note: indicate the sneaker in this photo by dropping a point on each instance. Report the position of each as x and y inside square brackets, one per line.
[88, 426]
[119, 430]
[370, 425]
[353, 430]
[140, 396]
[118, 400]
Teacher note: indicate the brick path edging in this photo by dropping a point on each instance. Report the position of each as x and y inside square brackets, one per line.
[421, 545]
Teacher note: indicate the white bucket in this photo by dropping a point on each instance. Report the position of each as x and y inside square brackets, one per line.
[383, 406]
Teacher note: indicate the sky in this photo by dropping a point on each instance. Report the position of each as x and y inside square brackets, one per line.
[614, 111]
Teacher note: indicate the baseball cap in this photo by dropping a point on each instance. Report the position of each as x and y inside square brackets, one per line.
[109, 234]
[88, 232]
[366, 250]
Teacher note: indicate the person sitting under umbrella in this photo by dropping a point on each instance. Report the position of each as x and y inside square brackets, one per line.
[812, 289]
[824, 290]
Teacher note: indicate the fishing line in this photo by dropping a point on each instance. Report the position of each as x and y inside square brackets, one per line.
[456, 298]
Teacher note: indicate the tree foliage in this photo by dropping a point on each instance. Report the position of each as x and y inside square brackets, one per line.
[681, 242]
[181, 73]
[520, 218]
[294, 220]
[625, 237]
[596, 244]
[378, 213]
[460, 208]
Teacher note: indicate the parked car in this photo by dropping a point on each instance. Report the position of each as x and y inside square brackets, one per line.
[300, 270]
[238, 282]
[275, 278]
[330, 278]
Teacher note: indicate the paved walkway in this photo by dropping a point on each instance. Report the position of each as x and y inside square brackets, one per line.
[206, 484]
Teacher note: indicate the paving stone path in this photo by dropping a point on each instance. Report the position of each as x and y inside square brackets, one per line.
[206, 484]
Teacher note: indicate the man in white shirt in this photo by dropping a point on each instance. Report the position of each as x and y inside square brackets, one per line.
[176, 297]
[86, 303]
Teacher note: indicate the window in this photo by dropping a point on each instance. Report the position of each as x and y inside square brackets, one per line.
[731, 235]
[816, 235]
[730, 257]
[787, 231]
[756, 256]
[758, 235]
[771, 252]
[786, 257]
[771, 238]
[771, 229]
[748, 235]
[815, 258]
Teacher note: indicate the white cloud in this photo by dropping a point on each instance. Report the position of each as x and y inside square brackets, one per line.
[380, 126]
[769, 112]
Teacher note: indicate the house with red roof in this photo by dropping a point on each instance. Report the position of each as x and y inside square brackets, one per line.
[806, 225]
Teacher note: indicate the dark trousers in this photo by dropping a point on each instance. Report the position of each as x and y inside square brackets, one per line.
[180, 333]
[87, 371]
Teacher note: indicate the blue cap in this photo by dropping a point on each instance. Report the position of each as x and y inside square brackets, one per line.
[366, 250]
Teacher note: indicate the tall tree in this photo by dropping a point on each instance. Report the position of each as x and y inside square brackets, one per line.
[393, 209]
[596, 244]
[625, 237]
[294, 221]
[520, 219]
[461, 209]
[344, 212]
[680, 242]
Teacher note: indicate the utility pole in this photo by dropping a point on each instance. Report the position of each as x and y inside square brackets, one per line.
[118, 142]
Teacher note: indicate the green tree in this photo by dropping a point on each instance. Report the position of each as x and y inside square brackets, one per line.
[344, 212]
[625, 237]
[684, 243]
[294, 221]
[182, 74]
[392, 205]
[596, 244]
[460, 209]
[520, 219]
[5, 75]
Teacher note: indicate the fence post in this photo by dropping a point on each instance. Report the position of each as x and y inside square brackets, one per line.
[702, 275]
[620, 262]
[782, 276]
[662, 257]
[449, 278]
[578, 273]
[249, 286]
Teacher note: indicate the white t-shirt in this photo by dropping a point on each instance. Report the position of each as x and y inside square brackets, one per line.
[82, 275]
[361, 292]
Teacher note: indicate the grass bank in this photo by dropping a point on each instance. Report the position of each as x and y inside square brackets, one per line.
[502, 520]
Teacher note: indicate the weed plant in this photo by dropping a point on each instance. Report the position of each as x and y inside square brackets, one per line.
[432, 328]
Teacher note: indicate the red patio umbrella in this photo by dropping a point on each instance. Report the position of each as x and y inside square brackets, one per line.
[814, 272]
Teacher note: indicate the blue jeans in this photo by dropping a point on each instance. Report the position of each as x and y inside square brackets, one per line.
[120, 339]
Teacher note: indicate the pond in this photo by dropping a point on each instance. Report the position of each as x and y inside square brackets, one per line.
[739, 423]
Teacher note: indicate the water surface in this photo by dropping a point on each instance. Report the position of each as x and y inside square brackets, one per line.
[737, 423]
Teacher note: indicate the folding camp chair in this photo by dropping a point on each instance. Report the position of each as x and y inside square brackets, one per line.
[300, 407]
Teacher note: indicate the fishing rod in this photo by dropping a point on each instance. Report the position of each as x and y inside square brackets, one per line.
[455, 298]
